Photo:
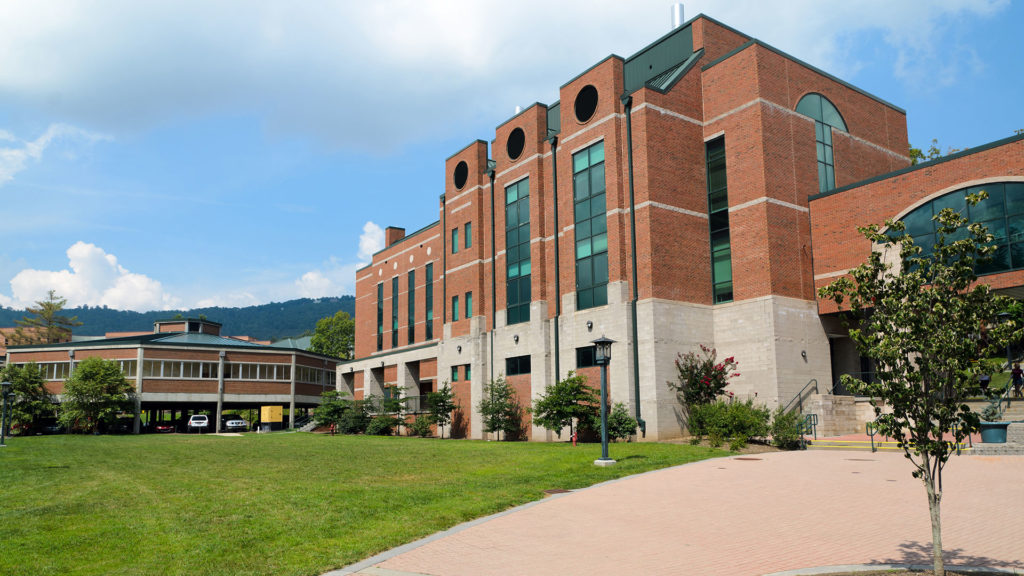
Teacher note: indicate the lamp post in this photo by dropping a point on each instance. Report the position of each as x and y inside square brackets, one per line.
[5, 389]
[602, 357]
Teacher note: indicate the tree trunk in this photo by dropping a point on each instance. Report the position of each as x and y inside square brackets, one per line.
[934, 499]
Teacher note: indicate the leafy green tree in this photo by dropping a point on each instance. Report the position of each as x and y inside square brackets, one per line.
[334, 336]
[441, 405]
[95, 394]
[46, 325]
[566, 402]
[32, 401]
[921, 315]
[500, 408]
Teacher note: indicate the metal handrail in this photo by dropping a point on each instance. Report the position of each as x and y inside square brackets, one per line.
[799, 398]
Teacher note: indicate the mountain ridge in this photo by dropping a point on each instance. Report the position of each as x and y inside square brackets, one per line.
[271, 321]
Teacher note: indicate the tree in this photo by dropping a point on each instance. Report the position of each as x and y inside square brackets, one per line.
[32, 401]
[702, 378]
[921, 319]
[46, 325]
[96, 393]
[441, 405]
[334, 336]
[500, 408]
[566, 402]
[918, 156]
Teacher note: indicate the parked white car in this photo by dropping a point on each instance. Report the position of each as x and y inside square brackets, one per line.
[198, 422]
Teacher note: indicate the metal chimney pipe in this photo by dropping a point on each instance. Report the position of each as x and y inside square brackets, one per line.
[677, 15]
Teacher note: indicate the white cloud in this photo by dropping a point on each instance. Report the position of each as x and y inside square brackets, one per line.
[336, 277]
[14, 160]
[377, 75]
[370, 241]
[95, 279]
[239, 299]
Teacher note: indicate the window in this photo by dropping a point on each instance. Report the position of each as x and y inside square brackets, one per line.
[1002, 213]
[469, 304]
[455, 240]
[586, 357]
[455, 373]
[394, 312]
[517, 365]
[455, 308]
[517, 252]
[412, 306]
[469, 372]
[380, 316]
[591, 227]
[429, 330]
[469, 234]
[718, 222]
[826, 117]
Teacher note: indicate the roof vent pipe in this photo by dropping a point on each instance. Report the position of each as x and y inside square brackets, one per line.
[518, 109]
[677, 15]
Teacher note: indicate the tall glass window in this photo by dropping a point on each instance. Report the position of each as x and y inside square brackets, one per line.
[517, 251]
[718, 218]
[591, 227]
[412, 306]
[1002, 213]
[455, 308]
[469, 304]
[429, 295]
[826, 117]
[394, 312]
[469, 234]
[380, 316]
[455, 240]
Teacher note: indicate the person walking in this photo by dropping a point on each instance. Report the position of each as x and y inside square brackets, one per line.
[1017, 376]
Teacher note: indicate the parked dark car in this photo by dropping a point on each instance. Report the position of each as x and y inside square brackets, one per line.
[164, 428]
[233, 423]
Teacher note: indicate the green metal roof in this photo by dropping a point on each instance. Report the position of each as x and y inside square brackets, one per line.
[664, 54]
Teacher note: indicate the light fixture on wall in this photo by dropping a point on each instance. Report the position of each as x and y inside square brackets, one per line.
[590, 326]
[516, 338]
[381, 363]
[803, 354]
[458, 349]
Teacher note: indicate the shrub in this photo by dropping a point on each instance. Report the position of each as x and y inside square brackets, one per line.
[785, 429]
[702, 378]
[737, 421]
[382, 425]
[620, 423]
[421, 426]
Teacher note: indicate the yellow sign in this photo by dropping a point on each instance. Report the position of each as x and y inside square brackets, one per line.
[271, 413]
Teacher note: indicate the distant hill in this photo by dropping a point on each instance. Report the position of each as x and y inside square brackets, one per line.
[266, 321]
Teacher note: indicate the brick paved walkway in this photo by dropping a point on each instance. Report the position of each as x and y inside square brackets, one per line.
[745, 515]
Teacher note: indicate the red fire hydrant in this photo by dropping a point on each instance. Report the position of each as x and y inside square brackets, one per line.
[573, 437]
[332, 429]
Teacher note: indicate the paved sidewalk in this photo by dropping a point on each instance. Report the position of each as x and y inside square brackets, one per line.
[743, 515]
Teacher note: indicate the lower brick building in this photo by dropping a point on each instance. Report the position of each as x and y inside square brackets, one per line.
[696, 192]
[187, 366]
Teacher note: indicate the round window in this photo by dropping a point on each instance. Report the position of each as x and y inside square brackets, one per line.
[460, 175]
[586, 103]
[515, 144]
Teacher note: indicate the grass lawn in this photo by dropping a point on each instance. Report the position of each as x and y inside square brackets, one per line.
[268, 504]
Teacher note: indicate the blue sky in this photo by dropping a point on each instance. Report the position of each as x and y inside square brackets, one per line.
[176, 154]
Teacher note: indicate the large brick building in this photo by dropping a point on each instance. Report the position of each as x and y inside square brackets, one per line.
[186, 366]
[696, 192]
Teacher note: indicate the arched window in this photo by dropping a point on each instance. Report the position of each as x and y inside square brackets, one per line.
[826, 117]
[1002, 212]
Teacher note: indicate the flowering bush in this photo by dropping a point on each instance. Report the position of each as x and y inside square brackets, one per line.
[702, 378]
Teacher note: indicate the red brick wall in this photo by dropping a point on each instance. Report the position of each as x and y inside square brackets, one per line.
[837, 244]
